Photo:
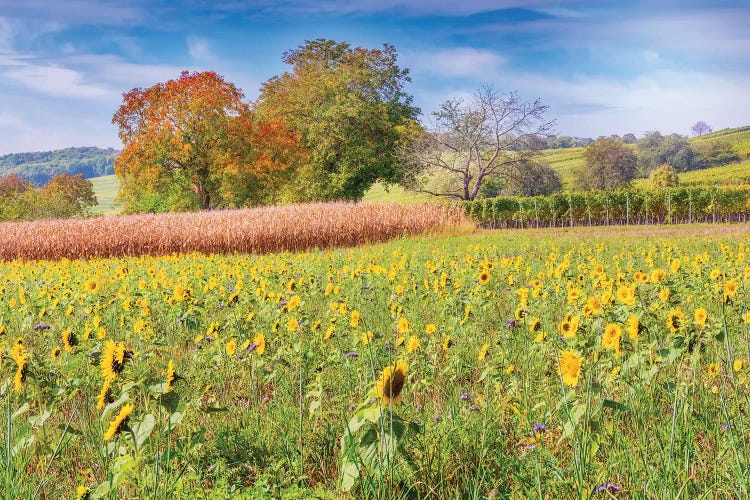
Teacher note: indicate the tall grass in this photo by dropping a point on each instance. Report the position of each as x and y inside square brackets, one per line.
[257, 230]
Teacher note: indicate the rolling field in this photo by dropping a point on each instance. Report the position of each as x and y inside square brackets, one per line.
[557, 364]
[105, 189]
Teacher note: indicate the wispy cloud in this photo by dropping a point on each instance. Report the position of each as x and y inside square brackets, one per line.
[454, 62]
[200, 50]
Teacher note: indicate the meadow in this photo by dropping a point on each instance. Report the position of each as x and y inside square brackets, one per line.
[553, 364]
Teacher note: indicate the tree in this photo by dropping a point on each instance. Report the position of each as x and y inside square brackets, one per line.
[491, 136]
[701, 128]
[13, 185]
[664, 176]
[609, 165]
[349, 108]
[629, 138]
[67, 195]
[193, 143]
[655, 149]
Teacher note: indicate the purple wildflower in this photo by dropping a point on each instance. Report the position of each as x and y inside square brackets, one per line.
[352, 354]
[608, 488]
[252, 347]
[537, 427]
[42, 326]
[465, 396]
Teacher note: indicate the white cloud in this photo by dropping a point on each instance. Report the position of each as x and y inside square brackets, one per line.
[454, 62]
[57, 81]
[200, 50]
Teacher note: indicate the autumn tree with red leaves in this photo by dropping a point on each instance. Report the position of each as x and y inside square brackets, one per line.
[193, 143]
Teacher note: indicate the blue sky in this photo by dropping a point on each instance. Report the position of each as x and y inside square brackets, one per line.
[602, 67]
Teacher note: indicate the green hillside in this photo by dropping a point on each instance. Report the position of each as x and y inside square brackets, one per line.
[39, 167]
[105, 189]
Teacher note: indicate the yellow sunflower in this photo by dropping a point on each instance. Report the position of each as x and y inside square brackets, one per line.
[391, 383]
[119, 422]
[570, 367]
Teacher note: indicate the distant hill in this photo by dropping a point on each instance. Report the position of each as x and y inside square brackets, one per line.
[40, 167]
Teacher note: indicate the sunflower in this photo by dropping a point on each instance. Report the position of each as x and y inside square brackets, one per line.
[55, 353]
[713, 370]
[737, 365]
[535, 325]
[329, 332]
[657, 275]
[69, 340]
[633, 326]
[180, 293]
[260, 341]
[403, 325]
[664, 294]
[700, 316]
[105, 395]
[91, 286]
[354, 321]
[447, 343]
[82, 493]
[113, 359]
[292, 325]
[18, 353]
[484, 277]
[119, 422]
[730, 290]
[391, 383]
[430, 329]
[570, 367]
[170, 377]
[626, 295]
[231, 347]
[675, 320]
[569, 326]
[366, 337]
[483, 352]
[611, 338]
[412, 345]
[293, 303]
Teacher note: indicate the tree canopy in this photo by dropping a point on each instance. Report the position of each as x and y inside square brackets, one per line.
[350, 111]
[194, 143]
[609, 165]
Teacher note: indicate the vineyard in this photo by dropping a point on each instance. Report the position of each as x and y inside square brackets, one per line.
[622, 207]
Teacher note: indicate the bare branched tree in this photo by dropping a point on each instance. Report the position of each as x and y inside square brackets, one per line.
[701, 128]
[492, 135]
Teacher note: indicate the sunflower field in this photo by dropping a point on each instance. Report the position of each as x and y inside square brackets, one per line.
[516, 364]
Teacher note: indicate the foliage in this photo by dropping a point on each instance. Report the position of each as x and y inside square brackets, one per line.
[576, 364]
[63, 196]
[664, 176]
[40, 167]
[193, 143]
[718, 153]
[491, 136]
[655, 149]
[609, 165]
[349, 108]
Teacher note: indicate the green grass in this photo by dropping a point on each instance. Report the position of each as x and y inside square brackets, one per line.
[105, 189]
[379, 194]
[739, 138]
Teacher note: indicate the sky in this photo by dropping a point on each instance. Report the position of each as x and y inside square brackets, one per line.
[603, 67]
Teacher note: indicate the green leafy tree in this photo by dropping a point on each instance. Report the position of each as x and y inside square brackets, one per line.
[609, 165]
[655, 149]
[664, 176]
[350, 110]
